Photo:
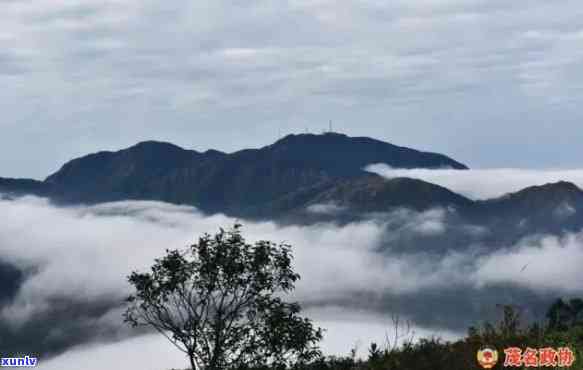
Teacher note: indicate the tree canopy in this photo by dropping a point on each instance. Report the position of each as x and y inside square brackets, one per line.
[220, 301]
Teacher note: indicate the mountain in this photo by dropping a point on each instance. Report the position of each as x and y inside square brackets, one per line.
[553, 208]
[536, 200]
[220, 182]
[17, 187]
[344, 156]
[376, 194]
[302, 179]
[351, 198]
[149, 170]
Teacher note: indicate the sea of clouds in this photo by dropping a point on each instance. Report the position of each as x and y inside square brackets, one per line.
[483, 183]
[352, 279]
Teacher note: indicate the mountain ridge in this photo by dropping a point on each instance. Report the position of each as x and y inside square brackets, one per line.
[287, 179]
[223, 182]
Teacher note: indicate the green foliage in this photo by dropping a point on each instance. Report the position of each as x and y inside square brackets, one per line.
[220, 303]
[436, 354]
[563, 315]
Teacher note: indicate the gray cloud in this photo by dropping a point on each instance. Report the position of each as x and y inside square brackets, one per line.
[326, 209]
[543, 264]
[354, 276]
[485, 183]
[146, 352]
[78, 258]
[461, 77]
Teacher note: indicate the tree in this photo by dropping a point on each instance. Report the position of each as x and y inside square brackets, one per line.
[564, 315]
[220, 302]
[509, 326]
[576, 311]
[375, 356]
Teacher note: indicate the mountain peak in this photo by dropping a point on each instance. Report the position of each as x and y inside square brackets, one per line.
[153, 145]
[214, 153]
[559, 187]
[373, 193]
[348, 155]
[541, 198]
[309, 136]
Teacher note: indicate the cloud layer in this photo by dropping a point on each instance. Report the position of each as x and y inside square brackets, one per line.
[484, 183]
[484, 82]
[354, 277]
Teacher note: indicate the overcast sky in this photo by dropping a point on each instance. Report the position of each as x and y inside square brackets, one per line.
[490, 82]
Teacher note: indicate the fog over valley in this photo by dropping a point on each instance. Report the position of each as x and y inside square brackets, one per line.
[72, 263]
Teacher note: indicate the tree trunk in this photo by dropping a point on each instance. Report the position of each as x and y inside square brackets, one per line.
[193, 364]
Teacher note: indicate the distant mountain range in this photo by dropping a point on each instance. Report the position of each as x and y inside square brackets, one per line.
[218, 182]
[300, 178]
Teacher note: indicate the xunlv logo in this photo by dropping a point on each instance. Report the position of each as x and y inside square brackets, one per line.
[18, 361]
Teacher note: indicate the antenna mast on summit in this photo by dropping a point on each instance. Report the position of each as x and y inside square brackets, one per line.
[330, 126]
